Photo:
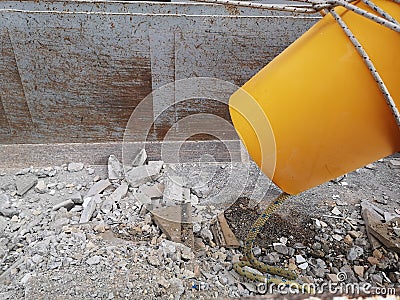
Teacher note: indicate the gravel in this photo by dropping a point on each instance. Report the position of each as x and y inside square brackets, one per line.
[80, 232]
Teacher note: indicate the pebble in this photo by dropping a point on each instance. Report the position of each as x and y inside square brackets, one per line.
[94, 260]
[359, 270]
[303, 266]
[332, 278]
[163, 282]
[75, 167]
[373, 260]
[41, 187]
[354, 253]
[257, 251]
[300, 259]
[68, 204]
[336, 211]
[281, 248]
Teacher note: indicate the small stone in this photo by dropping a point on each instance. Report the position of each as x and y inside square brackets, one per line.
[236, 258]
[355, 234]
[52, 192]
[76, 197]
[256, 251]
[153, 260]
[348, 239]
[355, 253]
[163, 282]
[41, 187]
[206, 234]
[26, 278]
[371, 166]
[373, 260]
[359, 270]
[377, 254]
[337, 237]
[300, 259]
[252, 270]
[303, 266]
[94, 260]
[281, 248]
[9, 212]
[283, 240]
[394, 163]
[68, 204]
[336, 211]
[90, 171]
[332, 278]
[376, 278]
[75, 167]
[196, 227]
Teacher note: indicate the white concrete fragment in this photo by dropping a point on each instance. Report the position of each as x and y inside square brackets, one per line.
[88, 210]
[140, 158]
[25, 183]
[336, 211]
[41, 187]
[116, 196]
[67, 204]
[303, 266]
[175, 192]
[98, 187]
[75, 167]
[300, 259]
[153, 191]
[115, 168]
[142, 174]
[394, 163]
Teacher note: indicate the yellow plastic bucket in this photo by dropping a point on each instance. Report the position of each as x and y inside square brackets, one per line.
[318, 107]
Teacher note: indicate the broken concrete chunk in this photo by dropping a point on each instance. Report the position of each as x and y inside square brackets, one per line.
[140, 158]
[384, 233]
[336, 211]
[68, 204]
[168, 219]
[371, 217]
[88, 209]
[142, 198]
[98, 187]
[176, 223]
[142, 174]
[76, 197]
[115, 168]
[75, 167]
[41, 187]
[153, 191]
[394, 163]
[9, 212]
[116, 196]
[174, 192]
[25, 183]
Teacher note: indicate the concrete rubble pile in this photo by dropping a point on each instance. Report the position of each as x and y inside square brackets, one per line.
[72, 230]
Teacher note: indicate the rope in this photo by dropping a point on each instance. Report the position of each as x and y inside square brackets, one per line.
[380, 11]
[251, 261]
[370, 65]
